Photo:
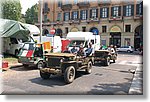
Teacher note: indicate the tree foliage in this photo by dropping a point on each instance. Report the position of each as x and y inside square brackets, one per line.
[31, 15]
[11, 9]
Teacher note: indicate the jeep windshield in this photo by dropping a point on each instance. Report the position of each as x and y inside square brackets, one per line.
[28, 46]
[77, 43]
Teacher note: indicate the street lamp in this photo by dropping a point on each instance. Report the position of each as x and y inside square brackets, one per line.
[41, 9]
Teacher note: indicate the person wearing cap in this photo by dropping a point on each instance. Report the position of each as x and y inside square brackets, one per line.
[74, 50]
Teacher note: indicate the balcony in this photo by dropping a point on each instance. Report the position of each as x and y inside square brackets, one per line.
[104, 2]
[119, 18]
[94, 20]
[83, 4]
[76, 21]
[66, 7]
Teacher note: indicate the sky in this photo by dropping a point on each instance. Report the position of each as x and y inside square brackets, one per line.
[25, 4]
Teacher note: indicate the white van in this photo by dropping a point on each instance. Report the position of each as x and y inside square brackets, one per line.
[54, 41]
[12, 45]
[85, 38]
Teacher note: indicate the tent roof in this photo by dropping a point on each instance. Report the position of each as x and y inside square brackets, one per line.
[15, 29]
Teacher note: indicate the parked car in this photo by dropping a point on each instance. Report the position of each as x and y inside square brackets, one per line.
[126, 49]
[33, 54]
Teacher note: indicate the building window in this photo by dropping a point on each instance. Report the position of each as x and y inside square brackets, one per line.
[104, 12]
[139, 9]
[83, 14]
[116, 11]
[59, 3]
[128, 28]
[66, 16]
[66, 30]
[66, 1]
[59, 17]
[83, 29]
[128, 10]
[75, 1]
[93, 13]
[104, 29]
[45, 18]
[74, 15]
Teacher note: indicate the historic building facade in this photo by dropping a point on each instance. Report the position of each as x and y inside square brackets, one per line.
[117, 22]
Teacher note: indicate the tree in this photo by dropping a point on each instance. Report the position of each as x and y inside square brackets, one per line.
[11, 9]
[31, 15]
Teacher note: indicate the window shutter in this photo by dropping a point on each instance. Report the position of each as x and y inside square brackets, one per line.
[72, 15]
[141, 8]
[101, 9]
[96, 13]
[107, 12]
[90, 13]
[132, 10]
[112, 11]
[119, 12]
[77, 14]
[64, 16]
[69, 16]
[81, 14]
[124, 10]
[86, 14]
[137, 9]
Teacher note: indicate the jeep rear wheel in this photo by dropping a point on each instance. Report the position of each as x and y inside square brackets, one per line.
[89, 68]
[44, 75]
[25, 65]
[69, 74]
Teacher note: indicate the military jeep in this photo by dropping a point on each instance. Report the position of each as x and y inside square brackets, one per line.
[65, 64]
[104, 56]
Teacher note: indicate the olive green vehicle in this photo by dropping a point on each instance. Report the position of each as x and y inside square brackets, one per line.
[65, 64]
[105, 57]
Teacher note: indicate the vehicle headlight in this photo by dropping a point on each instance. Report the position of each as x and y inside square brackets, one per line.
[61, 60]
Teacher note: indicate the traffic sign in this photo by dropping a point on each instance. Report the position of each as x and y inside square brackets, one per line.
[52, 31]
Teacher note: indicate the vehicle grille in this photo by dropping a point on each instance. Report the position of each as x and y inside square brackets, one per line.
[100, 54]
[54, 62]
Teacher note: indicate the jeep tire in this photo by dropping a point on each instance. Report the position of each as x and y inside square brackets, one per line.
[69, 74]
[40, 64]
[88, 70]
[107, 61]
[44, 75]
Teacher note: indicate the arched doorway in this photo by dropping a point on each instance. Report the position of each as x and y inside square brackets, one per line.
[74, 29]
[45, 32]
[115, 36]
[59, 32]
[94, 30]
[138, 37]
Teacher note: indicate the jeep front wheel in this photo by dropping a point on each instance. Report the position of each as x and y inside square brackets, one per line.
[107, 61]
[40, 64]
[69, 74]
[44, 75]
[89, 68]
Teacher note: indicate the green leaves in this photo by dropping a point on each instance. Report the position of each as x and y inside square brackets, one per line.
[31, 15]
[11, 9]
